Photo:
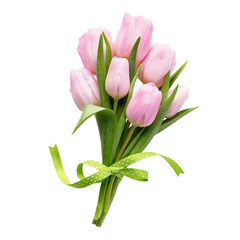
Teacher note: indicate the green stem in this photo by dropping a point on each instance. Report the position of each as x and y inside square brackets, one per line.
[115, 105]
[101, 199]
[125, 143]
[98, 222]
[112, 178]
[108, 194]
[126, 129]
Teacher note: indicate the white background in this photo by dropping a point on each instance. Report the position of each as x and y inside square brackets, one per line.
[37, 50]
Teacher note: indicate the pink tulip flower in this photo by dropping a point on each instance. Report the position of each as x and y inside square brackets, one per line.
[143, 106]
[88, 47]
[117, 81]
[180, 98]
[158, 62]
[132, 28]
[84, 88]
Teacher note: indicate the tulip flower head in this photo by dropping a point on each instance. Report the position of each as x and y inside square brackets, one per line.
[117, 81]
[84, 88]
[143, 106]
[159, 61]
[131, 29]
[180, 98]
[88, 47]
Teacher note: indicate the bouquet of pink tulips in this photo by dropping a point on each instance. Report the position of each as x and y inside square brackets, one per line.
[127, 120]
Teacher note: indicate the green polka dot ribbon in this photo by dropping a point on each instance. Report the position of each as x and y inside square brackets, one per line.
[118, 169]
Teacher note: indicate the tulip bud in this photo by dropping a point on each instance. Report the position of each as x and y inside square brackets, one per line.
[88, 47]
[180, 98]
[84, 88]
[158, 62]
[117, 81]
[131, 29]
[143, 106]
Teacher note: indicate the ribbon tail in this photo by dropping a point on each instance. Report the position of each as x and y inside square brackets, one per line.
[58, 165]
[173, 164]
[84, 182]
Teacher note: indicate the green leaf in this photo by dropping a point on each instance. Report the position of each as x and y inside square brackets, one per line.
[165, 87]
[108, 52]
[101, 75]
[151, 131]
[87, 112]
[176, 74]
[107, 125]
[166, 123]
[133, 81]
[132, 59]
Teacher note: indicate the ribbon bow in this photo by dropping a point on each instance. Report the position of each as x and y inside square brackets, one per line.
[118, 169]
